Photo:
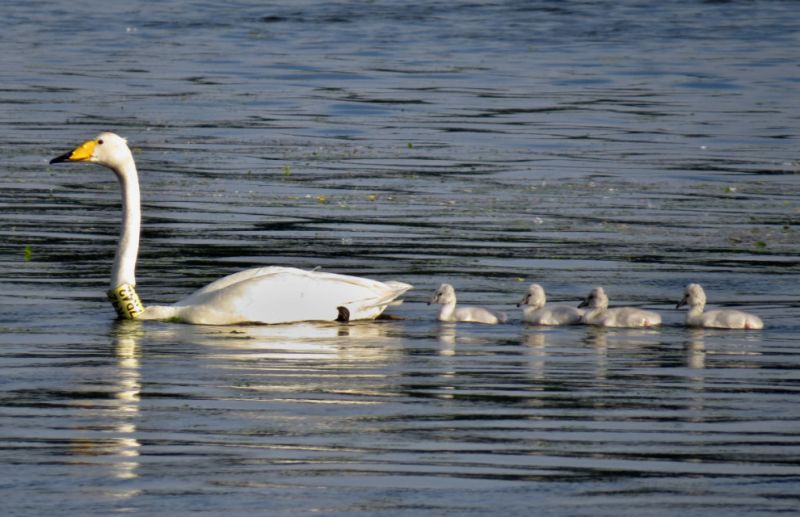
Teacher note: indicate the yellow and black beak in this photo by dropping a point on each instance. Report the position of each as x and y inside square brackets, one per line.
[82, 153]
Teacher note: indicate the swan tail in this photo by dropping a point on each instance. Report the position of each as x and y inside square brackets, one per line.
[373, 307]
[390, 298]
[398, 289]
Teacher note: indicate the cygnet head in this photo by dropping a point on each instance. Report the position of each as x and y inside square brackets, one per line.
[693, 296]
[597, 299]
[444, 294]
[534, 298]
[107, 149]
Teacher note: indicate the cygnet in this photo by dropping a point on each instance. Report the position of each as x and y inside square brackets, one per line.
[445, 295]
[695, 298]
[599, 314]
[535, 312]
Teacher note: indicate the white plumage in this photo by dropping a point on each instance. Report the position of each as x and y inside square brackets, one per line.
[258, 295]
[599, 314]
[445, 296]
[695, 298]
[536, 312]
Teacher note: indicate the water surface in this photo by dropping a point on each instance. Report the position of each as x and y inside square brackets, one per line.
[488, 145]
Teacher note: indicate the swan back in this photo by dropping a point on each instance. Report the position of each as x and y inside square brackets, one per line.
[725, 319]
[283, 295]
[479, 315]
[628, 317]
[552, 315]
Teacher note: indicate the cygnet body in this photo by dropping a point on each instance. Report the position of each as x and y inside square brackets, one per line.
[445, 296]
[536, 312]
[599, 314]
[695, 298]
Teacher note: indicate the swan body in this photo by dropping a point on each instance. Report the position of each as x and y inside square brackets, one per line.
[259, 295]
[599, 314]
[695, 298]
[536, 312]
[445, 296]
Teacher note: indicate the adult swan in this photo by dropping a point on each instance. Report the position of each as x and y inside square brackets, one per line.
[259, 295]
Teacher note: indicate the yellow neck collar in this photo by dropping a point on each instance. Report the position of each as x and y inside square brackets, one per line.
[126, 302]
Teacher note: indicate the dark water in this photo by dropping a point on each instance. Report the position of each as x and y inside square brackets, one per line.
[637, 146]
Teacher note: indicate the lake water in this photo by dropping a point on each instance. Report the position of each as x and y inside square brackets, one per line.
[635, 145]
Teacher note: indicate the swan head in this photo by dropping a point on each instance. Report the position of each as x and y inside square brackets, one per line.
[534, 298]
[107, 149]
[444, 294]
[693, 296]
[597, 299]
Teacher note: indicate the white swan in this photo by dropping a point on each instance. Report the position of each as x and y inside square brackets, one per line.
[259, 295]
[535, 312]
[445, 295]
[599, 314]
[695, 298]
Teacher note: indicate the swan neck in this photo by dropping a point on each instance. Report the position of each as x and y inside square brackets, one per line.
[695, 311]
[529, 310]
[447, 310]
[124, 270]
[594, 313]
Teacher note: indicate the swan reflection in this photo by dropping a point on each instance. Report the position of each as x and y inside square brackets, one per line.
[112, 444]
[696, 349]
[536, 344]
[127, 395]
[447, 339]
[361, 340]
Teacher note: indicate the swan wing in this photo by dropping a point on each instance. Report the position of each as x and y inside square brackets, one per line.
[248, 274]
[730, 319]
[623, 317]
[286, 295]
[479, 315]
[633, 317]
[562, 315]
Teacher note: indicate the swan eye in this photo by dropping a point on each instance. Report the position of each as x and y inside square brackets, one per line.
[100, 142]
